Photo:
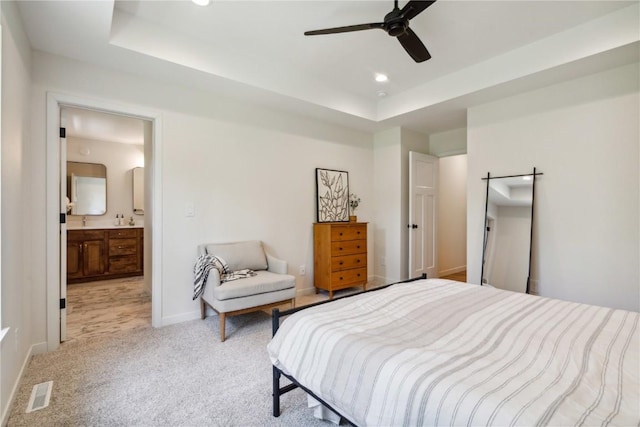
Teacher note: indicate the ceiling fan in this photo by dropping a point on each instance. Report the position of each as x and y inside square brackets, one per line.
[396, 24]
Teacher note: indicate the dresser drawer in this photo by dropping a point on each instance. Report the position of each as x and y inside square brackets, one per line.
[123, 247]
[348, 277]
[348, 262]
[348, 247]
[348, 232]
[123, 233]
[123, 264]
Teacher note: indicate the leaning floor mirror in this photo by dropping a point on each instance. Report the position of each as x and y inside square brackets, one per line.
[508, 231]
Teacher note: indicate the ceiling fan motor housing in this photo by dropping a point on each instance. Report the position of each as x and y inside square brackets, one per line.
[395, 24]
[397, 28]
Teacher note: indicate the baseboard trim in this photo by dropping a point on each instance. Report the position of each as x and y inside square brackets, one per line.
[453, 270]
[305, 291]
[16, 386]
[179, 318]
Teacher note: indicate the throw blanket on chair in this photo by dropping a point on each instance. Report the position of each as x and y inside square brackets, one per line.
[205, 263]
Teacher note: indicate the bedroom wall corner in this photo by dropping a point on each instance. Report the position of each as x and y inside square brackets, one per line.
[583, 135]
[249, 172]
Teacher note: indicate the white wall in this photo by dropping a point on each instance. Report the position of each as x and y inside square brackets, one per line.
[391, 184]
[249, 172]
[387, 183]
[119, 160]
[448, 143]
[584, 136]
[452, 215]
[16, 210]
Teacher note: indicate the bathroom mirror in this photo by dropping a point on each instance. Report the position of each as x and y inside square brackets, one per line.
[86, 188]
[508, 225]
[138, 191]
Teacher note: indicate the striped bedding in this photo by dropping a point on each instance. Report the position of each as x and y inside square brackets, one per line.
[438, 352]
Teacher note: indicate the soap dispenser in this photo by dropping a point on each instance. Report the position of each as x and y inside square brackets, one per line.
[117, 220]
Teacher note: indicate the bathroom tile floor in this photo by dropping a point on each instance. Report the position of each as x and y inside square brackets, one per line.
[106, 306]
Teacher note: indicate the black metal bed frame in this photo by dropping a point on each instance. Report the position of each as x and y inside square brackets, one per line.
[277, 373]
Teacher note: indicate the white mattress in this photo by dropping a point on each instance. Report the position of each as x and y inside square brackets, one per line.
[438, 352]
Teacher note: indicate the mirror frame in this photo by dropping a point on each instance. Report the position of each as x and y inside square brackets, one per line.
[488, 178]
[93, 174]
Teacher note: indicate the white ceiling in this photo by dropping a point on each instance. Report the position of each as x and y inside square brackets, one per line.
[256, 51]
[100, 126]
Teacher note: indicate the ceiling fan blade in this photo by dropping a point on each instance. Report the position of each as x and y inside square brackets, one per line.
[414, 47]
[346, 29]
[413, 8]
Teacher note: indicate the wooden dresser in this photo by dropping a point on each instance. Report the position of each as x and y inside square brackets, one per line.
[100, 254]
[340, 255]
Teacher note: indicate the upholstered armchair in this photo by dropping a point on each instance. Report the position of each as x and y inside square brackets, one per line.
[271, 286]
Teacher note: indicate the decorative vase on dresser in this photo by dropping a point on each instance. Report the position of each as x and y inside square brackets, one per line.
[340, 255]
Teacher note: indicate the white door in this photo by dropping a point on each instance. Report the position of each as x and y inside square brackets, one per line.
[63, 235]
[423, 215]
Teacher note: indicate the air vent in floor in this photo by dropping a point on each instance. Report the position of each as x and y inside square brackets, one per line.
[40, 396]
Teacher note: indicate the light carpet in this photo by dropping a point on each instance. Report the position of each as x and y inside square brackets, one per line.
[178, 375]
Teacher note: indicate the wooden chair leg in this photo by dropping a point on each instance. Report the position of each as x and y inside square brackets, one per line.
[293, 303]
[203, 309]
[222, 324]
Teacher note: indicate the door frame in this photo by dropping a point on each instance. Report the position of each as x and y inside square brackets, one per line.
[153, 157]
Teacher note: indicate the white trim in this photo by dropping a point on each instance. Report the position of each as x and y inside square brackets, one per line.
[16, 386]
[184, 317]
[451, 153]
[54, 101]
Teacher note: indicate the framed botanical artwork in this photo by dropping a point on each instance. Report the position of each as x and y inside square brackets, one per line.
[332, 195]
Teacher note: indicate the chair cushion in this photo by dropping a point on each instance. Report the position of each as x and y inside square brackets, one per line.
[240, 255]
[262, 282]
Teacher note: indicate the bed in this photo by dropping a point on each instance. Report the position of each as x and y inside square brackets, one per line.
[439, 352]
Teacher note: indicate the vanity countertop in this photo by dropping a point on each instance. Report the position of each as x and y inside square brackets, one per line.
[79, 226]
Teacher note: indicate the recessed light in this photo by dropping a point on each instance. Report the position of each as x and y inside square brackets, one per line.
[201, 2]
[381, 78]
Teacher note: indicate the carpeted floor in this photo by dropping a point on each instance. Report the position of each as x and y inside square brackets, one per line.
[178, 375]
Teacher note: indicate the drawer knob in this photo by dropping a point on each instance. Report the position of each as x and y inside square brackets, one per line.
[339, 249]
[358, 260]
[341, 262]
[340, 277]
[358, 247]
[341, 234]
[119, 247]
[358, 274]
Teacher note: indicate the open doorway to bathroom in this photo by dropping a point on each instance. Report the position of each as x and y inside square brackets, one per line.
[105, 155]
